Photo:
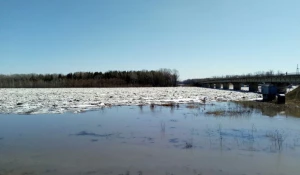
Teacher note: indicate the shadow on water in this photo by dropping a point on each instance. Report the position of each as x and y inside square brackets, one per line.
[85, 133]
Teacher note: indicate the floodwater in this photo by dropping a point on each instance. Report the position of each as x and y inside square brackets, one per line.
[213, 139]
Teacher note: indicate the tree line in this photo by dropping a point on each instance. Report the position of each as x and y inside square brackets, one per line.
[144, 78]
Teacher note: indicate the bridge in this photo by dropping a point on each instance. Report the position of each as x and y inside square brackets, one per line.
[280, 81]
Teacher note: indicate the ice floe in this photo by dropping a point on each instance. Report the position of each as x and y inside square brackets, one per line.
[61, 100]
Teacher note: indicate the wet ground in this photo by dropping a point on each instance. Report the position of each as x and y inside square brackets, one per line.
[214, 139]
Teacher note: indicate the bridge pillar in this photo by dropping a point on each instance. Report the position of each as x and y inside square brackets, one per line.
[212, 86]
[253, 87]
[237, 86]
[225, 86]
[218, 86]
[281, 88]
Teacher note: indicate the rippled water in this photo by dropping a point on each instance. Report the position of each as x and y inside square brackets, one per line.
[213, 139]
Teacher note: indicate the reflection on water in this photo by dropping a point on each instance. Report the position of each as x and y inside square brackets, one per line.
[270, 109]
[217, 139]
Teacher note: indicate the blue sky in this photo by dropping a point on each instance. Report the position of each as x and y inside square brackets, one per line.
[199, 38]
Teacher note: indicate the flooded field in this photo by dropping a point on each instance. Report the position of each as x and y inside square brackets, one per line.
[221, 138]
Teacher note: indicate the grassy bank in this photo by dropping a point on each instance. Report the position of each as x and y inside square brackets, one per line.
[293, 97]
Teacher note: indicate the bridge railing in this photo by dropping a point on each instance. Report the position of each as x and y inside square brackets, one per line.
[291, 77]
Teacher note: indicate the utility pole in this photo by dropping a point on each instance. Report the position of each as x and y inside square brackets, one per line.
[297, 71]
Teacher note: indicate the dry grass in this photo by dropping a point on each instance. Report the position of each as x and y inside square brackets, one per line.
[293, 96]
[172, 104]
[168, 104]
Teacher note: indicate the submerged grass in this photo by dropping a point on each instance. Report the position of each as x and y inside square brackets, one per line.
[188, 144]
[216, 113]
[277, 138]
[193, 106]
[162, 126]
[229, 112]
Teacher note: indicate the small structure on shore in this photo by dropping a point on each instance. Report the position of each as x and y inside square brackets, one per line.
[281, 98]
[269, 92]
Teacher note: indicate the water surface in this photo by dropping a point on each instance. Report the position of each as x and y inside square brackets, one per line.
[213, 139]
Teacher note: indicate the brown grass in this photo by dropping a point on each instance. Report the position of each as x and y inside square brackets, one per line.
[192, 106]
[169, 105]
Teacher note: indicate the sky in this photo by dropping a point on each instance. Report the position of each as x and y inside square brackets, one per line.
[199, 38]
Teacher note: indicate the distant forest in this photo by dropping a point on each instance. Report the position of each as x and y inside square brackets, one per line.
[144, 78]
